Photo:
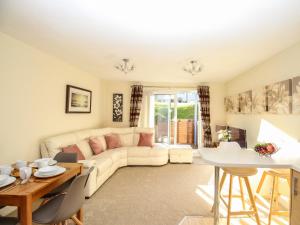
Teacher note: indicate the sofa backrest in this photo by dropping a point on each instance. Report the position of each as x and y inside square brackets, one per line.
[52, 145]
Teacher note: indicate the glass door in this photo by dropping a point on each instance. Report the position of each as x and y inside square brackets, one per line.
[175, 118]
[163, 115]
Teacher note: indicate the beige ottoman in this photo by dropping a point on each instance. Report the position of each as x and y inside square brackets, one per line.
[181, 155]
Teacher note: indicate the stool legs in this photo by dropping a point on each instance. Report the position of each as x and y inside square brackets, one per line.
[229, 200]
[261, 182]
[242, 193]
[252, 200]
[230, 196]
[274, 201]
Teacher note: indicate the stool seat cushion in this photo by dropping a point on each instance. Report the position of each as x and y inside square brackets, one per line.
[284, 173]
[241, 172]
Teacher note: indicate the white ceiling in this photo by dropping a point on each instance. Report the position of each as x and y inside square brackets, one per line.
[228, 37]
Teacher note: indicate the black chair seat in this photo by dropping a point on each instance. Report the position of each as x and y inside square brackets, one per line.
[8, 221]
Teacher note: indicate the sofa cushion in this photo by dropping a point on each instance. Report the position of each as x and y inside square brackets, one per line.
[137, 131]
[74, 149]
[96, 145]
[85, 148]
[112, 141]
[146, 139]
[140, 151]
[126, 139]
[55, 144]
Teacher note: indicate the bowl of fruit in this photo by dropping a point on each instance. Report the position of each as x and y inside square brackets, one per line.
[266, 149]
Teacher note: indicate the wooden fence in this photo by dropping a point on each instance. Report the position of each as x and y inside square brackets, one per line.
[185, 131]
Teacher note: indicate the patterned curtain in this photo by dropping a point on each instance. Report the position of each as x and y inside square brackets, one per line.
[135, 104]
[203, 93]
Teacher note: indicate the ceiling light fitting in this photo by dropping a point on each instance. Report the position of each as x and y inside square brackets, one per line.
[193, 67]
[125, 66]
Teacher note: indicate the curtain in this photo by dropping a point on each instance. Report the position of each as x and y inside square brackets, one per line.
[203, 93]
[135, 104]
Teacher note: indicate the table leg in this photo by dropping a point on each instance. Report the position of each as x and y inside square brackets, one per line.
[79, 215]
[26, 211]
[217, 196]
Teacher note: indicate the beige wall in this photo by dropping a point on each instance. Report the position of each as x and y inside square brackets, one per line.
[280, 67]
[32, 96]
[217, 91]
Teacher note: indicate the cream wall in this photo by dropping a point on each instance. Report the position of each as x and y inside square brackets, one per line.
[217, 92]
[32, 96]
[280, 67]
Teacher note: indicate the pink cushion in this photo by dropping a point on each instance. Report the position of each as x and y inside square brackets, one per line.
[113, 141]
[74, 149]
[145, 139]
[96, 146]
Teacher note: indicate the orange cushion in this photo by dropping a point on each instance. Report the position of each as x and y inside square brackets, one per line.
[74, 149]
[145, 139]
[96, 146]
[113, 141]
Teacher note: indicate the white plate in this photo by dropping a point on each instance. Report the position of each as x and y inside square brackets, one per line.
[3, 178]
[9, 181]
[59, 171]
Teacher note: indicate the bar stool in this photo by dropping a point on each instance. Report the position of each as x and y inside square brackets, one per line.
[274, 204]
[242, 174]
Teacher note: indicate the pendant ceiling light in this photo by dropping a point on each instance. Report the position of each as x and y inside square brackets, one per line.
[125, 66]
[194, 67]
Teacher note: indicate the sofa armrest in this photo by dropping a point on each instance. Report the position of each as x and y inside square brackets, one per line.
[88, 163]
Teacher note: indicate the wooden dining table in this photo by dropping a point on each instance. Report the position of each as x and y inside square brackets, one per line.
[23, 195]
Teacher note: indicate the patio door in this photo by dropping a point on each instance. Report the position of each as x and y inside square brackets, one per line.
[175, 118]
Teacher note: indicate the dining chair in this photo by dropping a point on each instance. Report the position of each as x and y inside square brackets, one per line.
[8, 221]
[63, 158]
[64, 206]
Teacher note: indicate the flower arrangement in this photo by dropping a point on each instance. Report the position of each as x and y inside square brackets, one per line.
[224, 135]
[265, 149]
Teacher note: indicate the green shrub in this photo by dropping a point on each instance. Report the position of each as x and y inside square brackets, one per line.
[185, 111]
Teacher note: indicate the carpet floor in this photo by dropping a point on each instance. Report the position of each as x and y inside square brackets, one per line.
[150, 196]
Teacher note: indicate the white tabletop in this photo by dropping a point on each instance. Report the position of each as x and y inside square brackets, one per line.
[249, 158]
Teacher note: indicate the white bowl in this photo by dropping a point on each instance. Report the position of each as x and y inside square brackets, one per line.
[48, 170]
[3, 178]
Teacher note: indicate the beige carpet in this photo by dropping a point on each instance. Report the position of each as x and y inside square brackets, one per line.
[150, 196]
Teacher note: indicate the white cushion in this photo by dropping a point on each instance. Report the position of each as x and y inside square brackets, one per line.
[101, 132]
[54, 144]
[103, 163]
[129, 130]
[85, 148]
[87, 163]
[126, 139]
[141, 151]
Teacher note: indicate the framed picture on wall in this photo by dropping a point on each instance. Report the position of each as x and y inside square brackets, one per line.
[279, 97]
[78, 100]
[117, 107]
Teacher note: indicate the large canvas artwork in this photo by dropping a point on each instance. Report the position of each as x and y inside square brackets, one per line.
[259, 100]
[117, 107]
[296, 95]
[279, 97]
[232, 104]
[245, 102]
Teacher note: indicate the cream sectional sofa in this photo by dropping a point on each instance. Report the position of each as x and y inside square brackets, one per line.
[110, 160]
